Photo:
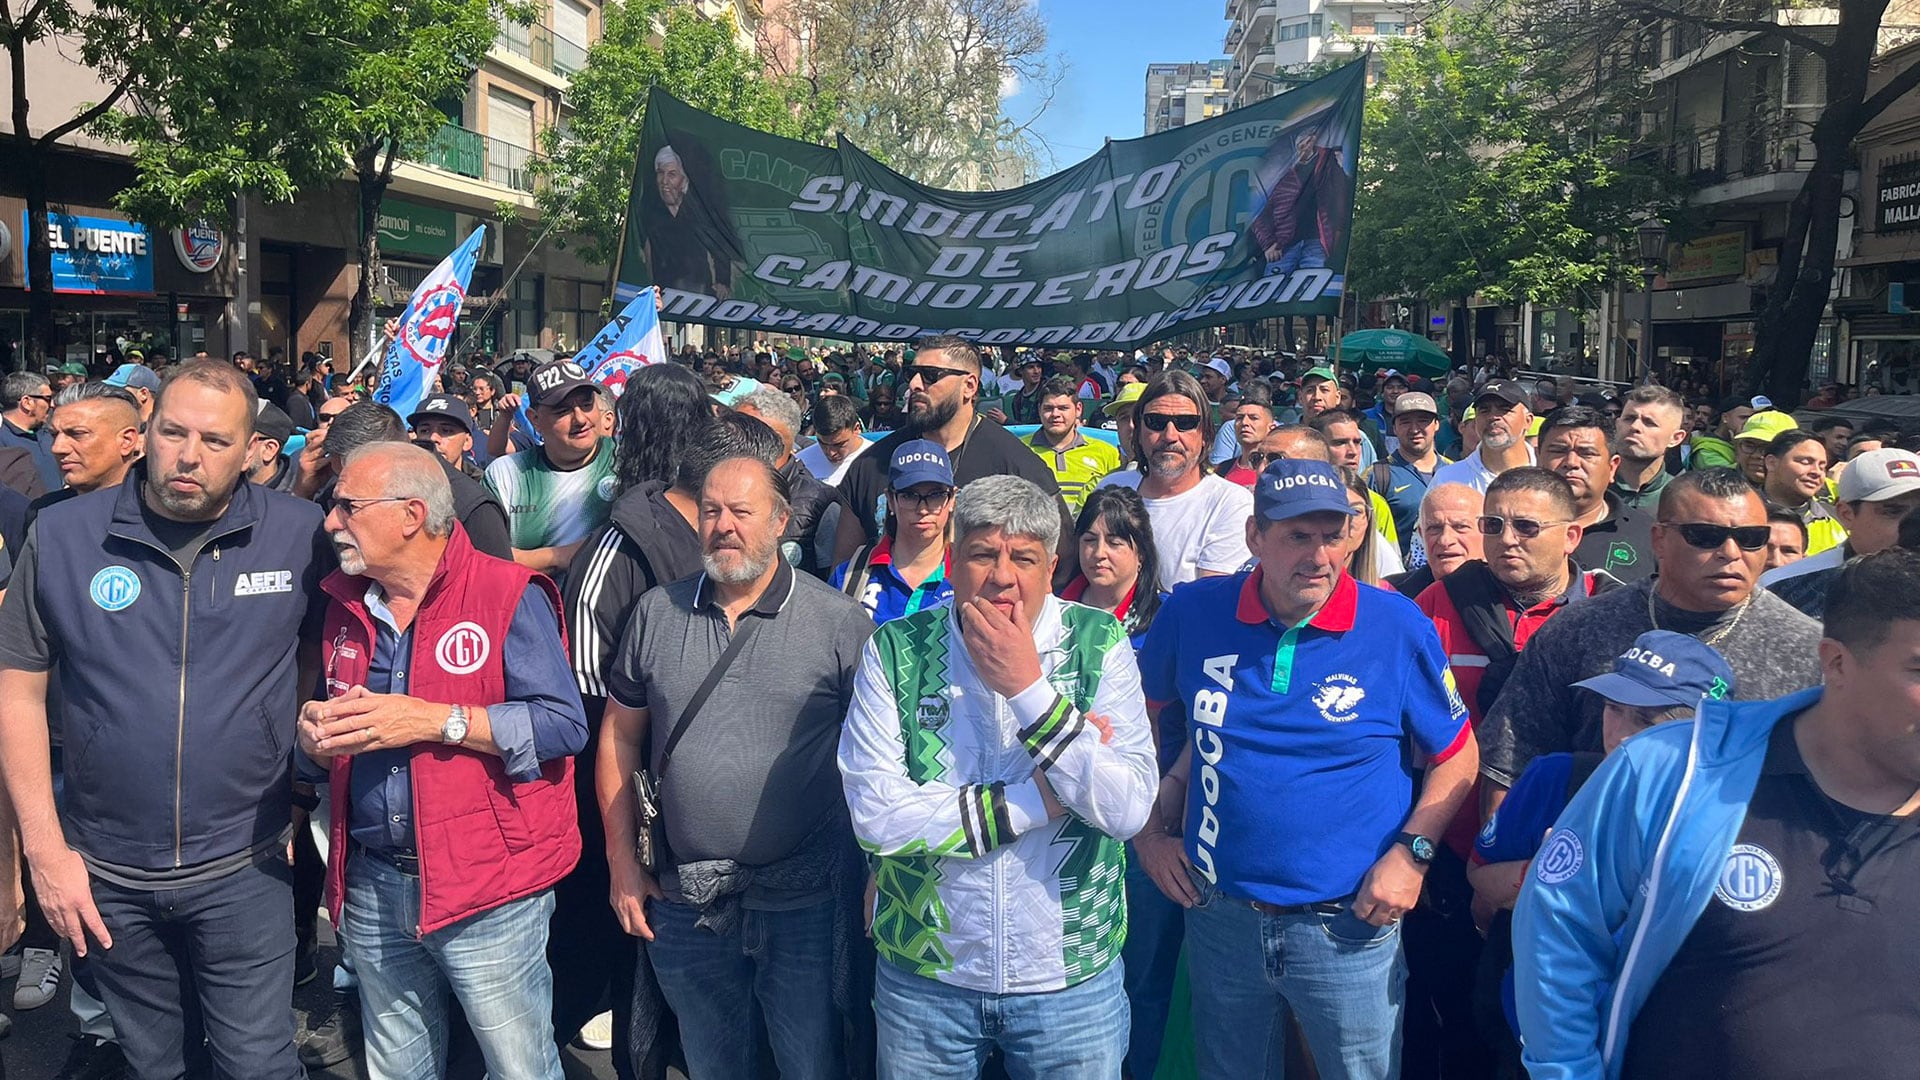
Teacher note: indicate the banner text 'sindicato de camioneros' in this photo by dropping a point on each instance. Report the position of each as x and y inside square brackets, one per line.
[1244, 216]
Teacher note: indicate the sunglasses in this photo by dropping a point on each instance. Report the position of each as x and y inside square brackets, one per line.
[1714, 537]
[1259, 458]
[1524, 528]
[929, 375]
[1158, 421]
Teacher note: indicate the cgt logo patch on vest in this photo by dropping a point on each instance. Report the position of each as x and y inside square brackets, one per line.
[262, 582]
[463, 649]
[114, 588]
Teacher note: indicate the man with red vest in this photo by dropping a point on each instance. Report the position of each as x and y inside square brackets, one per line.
[1485, 612]
[451, 768]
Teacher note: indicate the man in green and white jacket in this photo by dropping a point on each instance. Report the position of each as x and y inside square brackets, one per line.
[996, 758]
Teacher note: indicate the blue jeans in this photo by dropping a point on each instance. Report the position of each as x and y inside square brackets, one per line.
[495, 963]
[932, 1031]
[783, 960]
[1344, 979]
[1155, 928]
[1306, 253]
[204, 970]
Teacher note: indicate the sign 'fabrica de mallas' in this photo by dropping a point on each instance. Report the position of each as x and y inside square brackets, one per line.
[1244, 216]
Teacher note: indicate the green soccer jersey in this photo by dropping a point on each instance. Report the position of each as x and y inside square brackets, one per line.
[547, 507]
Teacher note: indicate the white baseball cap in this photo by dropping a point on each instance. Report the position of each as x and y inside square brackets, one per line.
[1879, 474]
[1225, 369]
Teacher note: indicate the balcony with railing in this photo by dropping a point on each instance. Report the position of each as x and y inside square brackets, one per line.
[1756, 158]
[456, 150]
[543, 48]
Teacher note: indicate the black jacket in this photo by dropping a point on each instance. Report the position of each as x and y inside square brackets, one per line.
[644, 543]
[178, 685]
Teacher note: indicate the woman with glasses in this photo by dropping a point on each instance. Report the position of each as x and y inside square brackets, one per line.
[906, 571]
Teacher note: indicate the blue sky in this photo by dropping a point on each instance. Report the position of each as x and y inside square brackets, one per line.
[1107, 45]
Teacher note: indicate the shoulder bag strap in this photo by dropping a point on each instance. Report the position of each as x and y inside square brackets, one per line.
[701, 695]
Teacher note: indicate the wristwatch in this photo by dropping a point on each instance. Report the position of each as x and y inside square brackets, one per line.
[1422, 848]
[454, 731]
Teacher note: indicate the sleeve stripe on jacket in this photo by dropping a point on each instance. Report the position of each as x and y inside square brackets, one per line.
[587, 651]
[1048, 736]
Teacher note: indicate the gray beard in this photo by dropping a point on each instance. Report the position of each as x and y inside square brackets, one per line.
[752, 565]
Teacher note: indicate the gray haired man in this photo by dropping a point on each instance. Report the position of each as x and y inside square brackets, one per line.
[1000, 908]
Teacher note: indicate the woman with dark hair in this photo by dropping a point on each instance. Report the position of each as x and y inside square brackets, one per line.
[1119, 567]
[1120, 573]
[664, 408]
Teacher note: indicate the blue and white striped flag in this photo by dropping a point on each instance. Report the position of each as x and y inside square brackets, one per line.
[426, 330]
[630, 342]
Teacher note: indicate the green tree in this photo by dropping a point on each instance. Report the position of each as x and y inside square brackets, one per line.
[1479, 174]
[326, 87]
[589, 168]
[925, 85]
[156, 60]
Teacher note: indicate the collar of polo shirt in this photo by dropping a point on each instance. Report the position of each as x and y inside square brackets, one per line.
[771, 602]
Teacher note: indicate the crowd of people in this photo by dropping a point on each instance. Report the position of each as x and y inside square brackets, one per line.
[919, 713]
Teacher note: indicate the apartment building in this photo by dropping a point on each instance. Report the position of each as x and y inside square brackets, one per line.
[1268, 38]
[1180, 94]
[284, 275]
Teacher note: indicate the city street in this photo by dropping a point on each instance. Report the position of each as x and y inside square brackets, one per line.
[41, 1038]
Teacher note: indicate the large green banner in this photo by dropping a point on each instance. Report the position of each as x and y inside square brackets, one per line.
[1241, 217]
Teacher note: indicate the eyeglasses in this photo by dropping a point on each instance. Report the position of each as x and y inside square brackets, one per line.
[325, 418]
[794, 389]
[1714, 537]
[350, 506]
[1158, 421]
[929, 375]
[1259, 458]
[927, 500]
[1524, 528]
[42, 397]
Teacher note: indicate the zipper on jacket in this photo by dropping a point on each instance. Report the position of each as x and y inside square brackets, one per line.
[180, 720]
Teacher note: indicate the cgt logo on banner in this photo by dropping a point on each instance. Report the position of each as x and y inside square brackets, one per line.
[426, 330]
[630, 342]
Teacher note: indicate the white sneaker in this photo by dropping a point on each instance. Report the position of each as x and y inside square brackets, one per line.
[597, 1034]
[40, 971]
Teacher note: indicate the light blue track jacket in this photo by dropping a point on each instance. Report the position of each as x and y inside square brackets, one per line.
[1627, 871]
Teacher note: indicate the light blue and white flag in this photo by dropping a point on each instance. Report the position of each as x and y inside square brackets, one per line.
[630, 342]
[426, 330]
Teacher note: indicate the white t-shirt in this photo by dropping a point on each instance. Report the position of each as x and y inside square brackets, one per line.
[815, 461]
[1204, 529]
[1472, 471]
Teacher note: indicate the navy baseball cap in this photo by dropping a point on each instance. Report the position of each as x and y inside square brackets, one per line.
[1290, 487]
[920, 461]
[1663, 668]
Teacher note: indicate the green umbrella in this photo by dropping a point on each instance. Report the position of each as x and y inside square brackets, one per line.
[1396, 349]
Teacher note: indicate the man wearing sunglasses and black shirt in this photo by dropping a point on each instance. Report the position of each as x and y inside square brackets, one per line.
[1709, 542]
[941, 389]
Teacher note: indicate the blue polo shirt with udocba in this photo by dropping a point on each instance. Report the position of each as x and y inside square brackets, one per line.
[1304, 738]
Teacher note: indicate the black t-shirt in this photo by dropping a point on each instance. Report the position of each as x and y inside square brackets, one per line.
[1802, 964]
[990, 450]
[1622, 545]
